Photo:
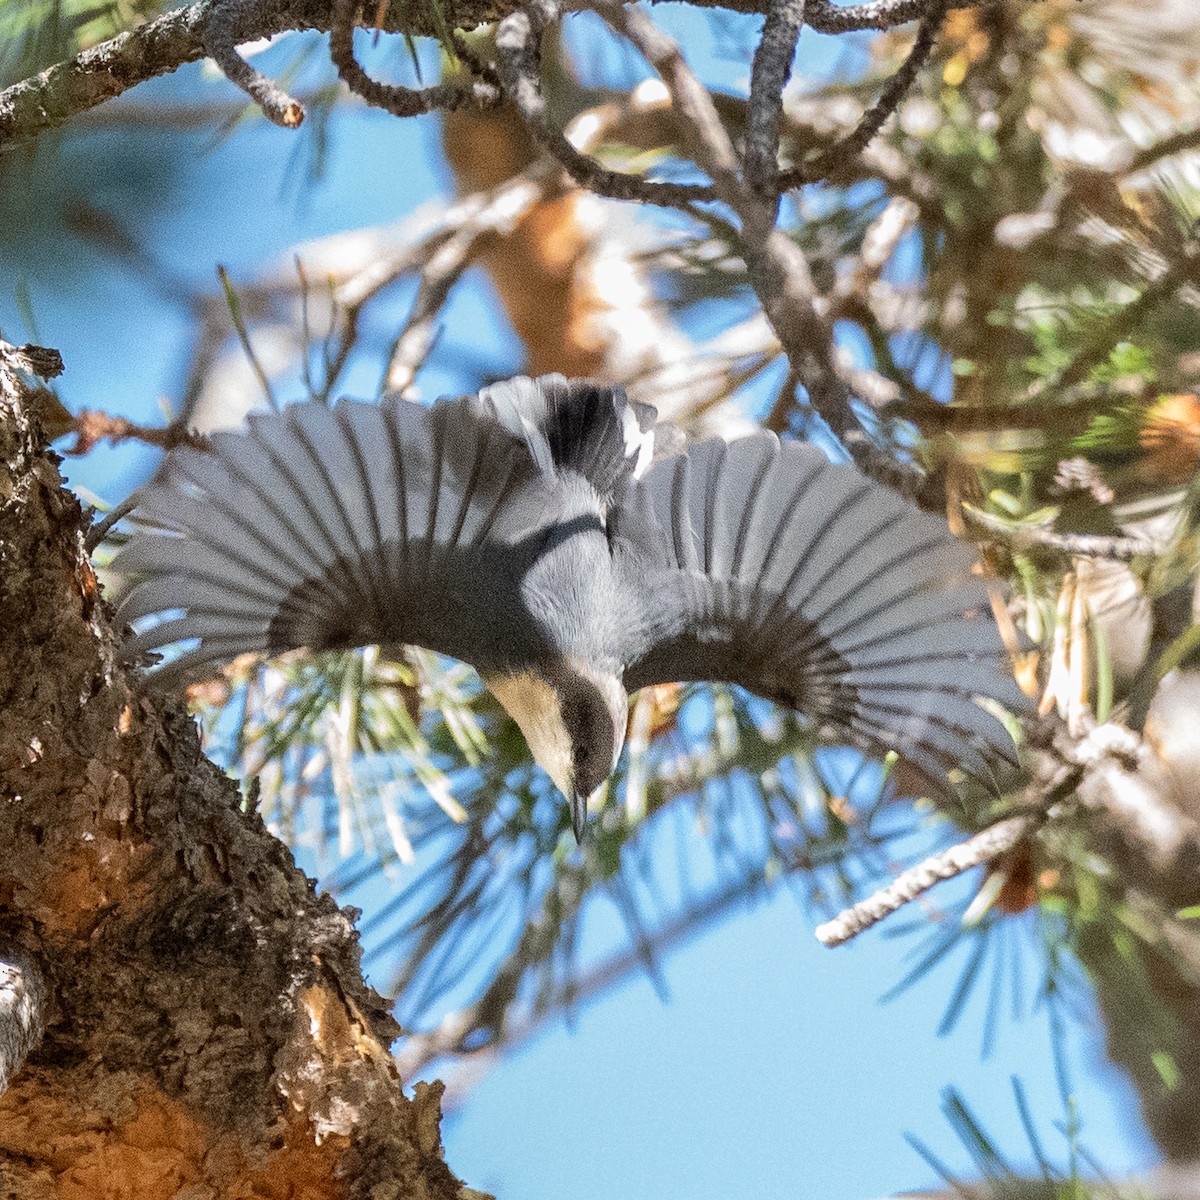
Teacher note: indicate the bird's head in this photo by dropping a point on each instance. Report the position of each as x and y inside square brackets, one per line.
[573, 717]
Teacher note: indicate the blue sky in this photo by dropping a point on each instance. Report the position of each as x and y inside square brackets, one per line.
[772, 1069]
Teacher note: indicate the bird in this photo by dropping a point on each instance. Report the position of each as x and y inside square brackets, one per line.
[553, 535]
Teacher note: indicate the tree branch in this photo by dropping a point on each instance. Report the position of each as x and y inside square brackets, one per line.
[832, 160]
[517, 49]
[778, 269]
[393, 98]
[221, 41]
[1118, 547]
[907, 886]
[216, 27]
[769, 74]
[207, 27]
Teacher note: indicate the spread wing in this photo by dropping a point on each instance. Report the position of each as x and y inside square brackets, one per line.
[332, 527]
[762, 564]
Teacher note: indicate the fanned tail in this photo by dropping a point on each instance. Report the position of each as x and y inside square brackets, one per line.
[576, 425]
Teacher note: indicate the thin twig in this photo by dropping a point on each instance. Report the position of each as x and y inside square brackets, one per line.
[393, 98]
[832, 159]
[99, 530]
[827, 17]
[1118, 547]
[46, 100]
[239, 325]
[700, 128]
[910, 884]
[221, 38]
[778, 270]
[91, 427]
[1174, 143]
[414, 343]
[517, 38]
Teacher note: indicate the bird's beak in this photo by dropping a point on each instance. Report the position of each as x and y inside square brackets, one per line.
[578, 815]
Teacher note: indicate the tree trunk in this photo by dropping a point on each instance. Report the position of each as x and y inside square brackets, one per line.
[207, 1030]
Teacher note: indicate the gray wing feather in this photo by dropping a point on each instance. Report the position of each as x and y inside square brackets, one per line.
[331, 527]
[239, 485]
[220, 533]
[765, 565]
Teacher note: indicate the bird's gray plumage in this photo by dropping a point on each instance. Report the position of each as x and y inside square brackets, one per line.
[546, 533]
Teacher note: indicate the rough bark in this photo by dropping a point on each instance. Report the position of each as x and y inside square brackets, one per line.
[208, 1032]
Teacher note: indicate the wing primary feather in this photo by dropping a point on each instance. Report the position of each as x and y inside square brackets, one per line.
[924, 624]
[750, 507]
[298, 558]
[479, 464]
[932, 760]
[712, 494]
[372, 553]
[504, 491]
[391, 425]
[942, 727]
[354, 556]
[814, 634]
[204, 531]
[836, 597]
[782, 598]
[158, 552]
[891, 599]
[211, 651]
[241, 460]
[855, 498]
[787, 514]
[769, 540]
[940, 605]
[345, 415]
[160, 594]
[436, 457]
[300, 494]
[685, 553]
[201, 626]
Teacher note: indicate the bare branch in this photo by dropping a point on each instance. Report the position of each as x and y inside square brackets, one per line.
[208, 27]
[99, 73]
[1174, 143]
[910, 884]
[830, 160]
[827, 17]
[517, 49]
[100, 529]
[777, 267]
[393, 98]
[1119, 548]
[221, 41]
[769, 74]
[701, 130]
[91, 427]
[47, 100]
[416, 339]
